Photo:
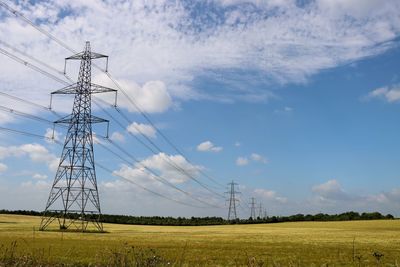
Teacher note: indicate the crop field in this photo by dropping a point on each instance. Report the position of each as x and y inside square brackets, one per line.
[353, 243]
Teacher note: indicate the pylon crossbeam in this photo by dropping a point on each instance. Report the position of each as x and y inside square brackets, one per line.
[76, 88]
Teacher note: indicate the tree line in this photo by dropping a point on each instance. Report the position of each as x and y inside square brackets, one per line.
[197, 221]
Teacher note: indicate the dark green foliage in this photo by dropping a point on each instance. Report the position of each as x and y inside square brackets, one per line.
[196, 221]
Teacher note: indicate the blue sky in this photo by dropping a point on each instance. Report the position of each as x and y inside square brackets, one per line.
[297, 102]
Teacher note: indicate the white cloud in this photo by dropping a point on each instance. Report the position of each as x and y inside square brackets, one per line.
[170, 45]
[36, 152]
[390, 94]
[258, 158]
[38, 185]
[208, 146]
[38, 176]
[331, 192]
[286, 110]
[242, 161]
[237, 144]
[152, 97]
[355, 8]
[140, 128]
[331, 188]
[171, 167]
[260, 3]
[270, 195]
[386, 198]
[117, 136]
[332, 197]
[50, 134]
[3, 167]
[96, 139]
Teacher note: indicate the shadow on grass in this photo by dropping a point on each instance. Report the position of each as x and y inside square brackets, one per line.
[74, 231]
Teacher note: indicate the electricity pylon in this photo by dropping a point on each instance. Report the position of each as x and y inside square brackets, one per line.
[253, 208]
[260, 211]
[265, 214]
[232, 215]
[74, 198]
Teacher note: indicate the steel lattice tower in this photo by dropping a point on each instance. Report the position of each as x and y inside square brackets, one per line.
[232, 215]
[260, 211]
[74, 198]
[253, 208]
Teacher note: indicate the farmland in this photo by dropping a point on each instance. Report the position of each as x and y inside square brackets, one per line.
[352, 243]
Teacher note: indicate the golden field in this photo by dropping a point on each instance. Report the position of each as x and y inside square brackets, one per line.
[351, 243]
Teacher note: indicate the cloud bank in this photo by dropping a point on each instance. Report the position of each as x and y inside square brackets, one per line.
[165, 51]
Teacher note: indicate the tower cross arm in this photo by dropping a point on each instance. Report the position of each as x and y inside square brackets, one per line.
[83, 55]
[75, 89]
[70, 119]
[95, 89]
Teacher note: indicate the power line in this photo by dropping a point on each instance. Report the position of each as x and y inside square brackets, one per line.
[136, 106]
[26, 115]
[154, 174]
[145, 188]
[5, 129]
[20, 60]
[26, 101]
[119, 111]
[31, 66]
[55, 78]
[167, 160]
[172, 164]
[163, 180]
[34, 59]
[21, 16]
[52, 139]
[151, 123]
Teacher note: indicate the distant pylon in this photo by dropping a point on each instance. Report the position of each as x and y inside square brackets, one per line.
[253, 208]
[232, 215]
[74, 199]
[265, 214]
[260, 211]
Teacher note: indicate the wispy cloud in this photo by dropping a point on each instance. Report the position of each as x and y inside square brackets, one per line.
[270, 195]
[174, 168]
[168, 45]
[332, 197]
[388, 93]
[242, 161]
[259, 158]
[117, 136]
[35, 152]
[3, 167]
[140, 128]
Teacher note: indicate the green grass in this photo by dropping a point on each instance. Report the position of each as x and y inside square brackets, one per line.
[283, 244]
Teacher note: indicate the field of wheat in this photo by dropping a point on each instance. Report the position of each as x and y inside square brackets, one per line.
[353, 243]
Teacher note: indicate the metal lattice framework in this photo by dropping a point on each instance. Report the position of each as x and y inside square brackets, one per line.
[232, 214]
[74, 198]
[253, 208]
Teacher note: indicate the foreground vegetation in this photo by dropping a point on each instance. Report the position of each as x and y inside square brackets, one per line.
[350, 243]
[193, 221]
